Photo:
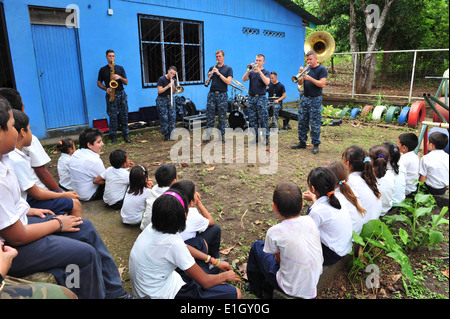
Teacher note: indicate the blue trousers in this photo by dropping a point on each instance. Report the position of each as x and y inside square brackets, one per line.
[98, 274]
[261, 267]
[216, 103]
[167, 115]
[119, 106]
[258, 113]
[57, 205]
[310, 114]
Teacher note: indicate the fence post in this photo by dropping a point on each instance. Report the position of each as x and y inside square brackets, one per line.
[355, 57]
[412, 76]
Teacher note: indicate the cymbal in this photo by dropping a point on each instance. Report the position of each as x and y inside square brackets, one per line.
[237, 83]
[273, 97]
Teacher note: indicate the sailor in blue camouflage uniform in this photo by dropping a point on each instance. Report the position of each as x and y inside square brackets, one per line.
[258, 113]
[166, 111]
[310, 109]
[277, 93]
[217, 101]
[120, 104]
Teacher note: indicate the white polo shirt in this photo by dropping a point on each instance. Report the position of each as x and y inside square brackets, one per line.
[335, 226]
[85, 165]
[116, 184]
[155, 192]
[133, 207]
[386, 186]
[355, 216]
[25, 174]
[38, 156]
[409, 163]
[434, 166]
[195, 222]
[298, 242]
[369, 201]
[63, 171]
[12, 206]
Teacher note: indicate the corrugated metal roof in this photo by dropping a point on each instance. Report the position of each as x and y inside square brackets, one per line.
[288, 4]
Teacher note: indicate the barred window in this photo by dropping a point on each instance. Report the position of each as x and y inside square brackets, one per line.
[166, 42]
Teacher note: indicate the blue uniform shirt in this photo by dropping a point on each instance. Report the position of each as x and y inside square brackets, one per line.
[216, 82]
[104, 75]
[164, 81]
[319, 72]
[257, 86]
[276, 90]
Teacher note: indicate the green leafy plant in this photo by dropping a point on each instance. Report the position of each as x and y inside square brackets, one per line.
[420, 225]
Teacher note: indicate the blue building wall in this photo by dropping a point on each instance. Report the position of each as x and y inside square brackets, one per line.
[97, 32]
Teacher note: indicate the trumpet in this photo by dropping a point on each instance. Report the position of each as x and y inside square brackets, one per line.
[251, 67]
[297, 77]
[208, 80]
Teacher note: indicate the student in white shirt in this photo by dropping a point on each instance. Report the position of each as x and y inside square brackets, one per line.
[433, 168]
[159, 251]
[134, 202]
[409, 161]
[86, 164]
[398, 173]
[290, 259]
[385, 182]
[347, 197]
[332, 219]
[362, 180]
[165, 176]
[33, 191]
[199, 221]
[116, 179]
[67, 147]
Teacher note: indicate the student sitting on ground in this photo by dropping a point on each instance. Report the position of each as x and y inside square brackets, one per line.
[433, 168]
[35, 193]
[165, 175]
[332, 219]
[399, 174]
[385, 182]
[291, 258]
[409, 161]
[67, 147]
[48, 242]
[347, 196]
[116, 179]
[362, 180]
[135, 198]
[86, 164]
[159, 251]
[199, 221]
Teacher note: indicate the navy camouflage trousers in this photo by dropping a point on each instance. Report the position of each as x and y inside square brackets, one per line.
[167, 115]
[119, 106]
[310, 114]
[216, 103]
[258, 113]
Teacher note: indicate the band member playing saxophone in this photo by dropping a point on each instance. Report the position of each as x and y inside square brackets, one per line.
[116, 98]
[258, 113]
[220, 77]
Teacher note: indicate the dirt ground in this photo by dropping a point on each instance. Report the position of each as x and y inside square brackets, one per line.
[240, 199]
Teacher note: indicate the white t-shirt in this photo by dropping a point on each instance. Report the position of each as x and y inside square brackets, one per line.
[400, 184]
[25, 174]
[116, 184]
[434, 166]
[37, 154]
[12, 206]
[63, 171]
[133, 207]
[155, 192]
[335, 226]
[153, 260]
[195, 222]
[298, 242]
[356, 217]
[409, 163]
[369, 201]
[386, 186]
[85, 165]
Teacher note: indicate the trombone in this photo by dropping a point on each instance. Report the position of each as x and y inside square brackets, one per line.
[178, 90]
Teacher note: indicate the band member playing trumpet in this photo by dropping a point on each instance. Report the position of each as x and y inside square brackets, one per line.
[309, 111]
[258, 113]
[277, 93]
[116, 99]
[166, 110]
[220, 76]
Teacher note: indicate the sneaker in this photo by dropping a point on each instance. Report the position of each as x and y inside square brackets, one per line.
[298, 146]
[315, 149]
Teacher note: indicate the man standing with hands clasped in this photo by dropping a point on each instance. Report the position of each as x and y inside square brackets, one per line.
[309, 111]
[118, 105]
[258, 113]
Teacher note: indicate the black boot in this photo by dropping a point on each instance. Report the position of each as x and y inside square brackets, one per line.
[113, 139]
[126, 139]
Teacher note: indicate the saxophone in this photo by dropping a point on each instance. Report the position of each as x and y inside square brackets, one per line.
[112, 84]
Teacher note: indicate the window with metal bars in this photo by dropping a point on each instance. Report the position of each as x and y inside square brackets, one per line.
[169, 42]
